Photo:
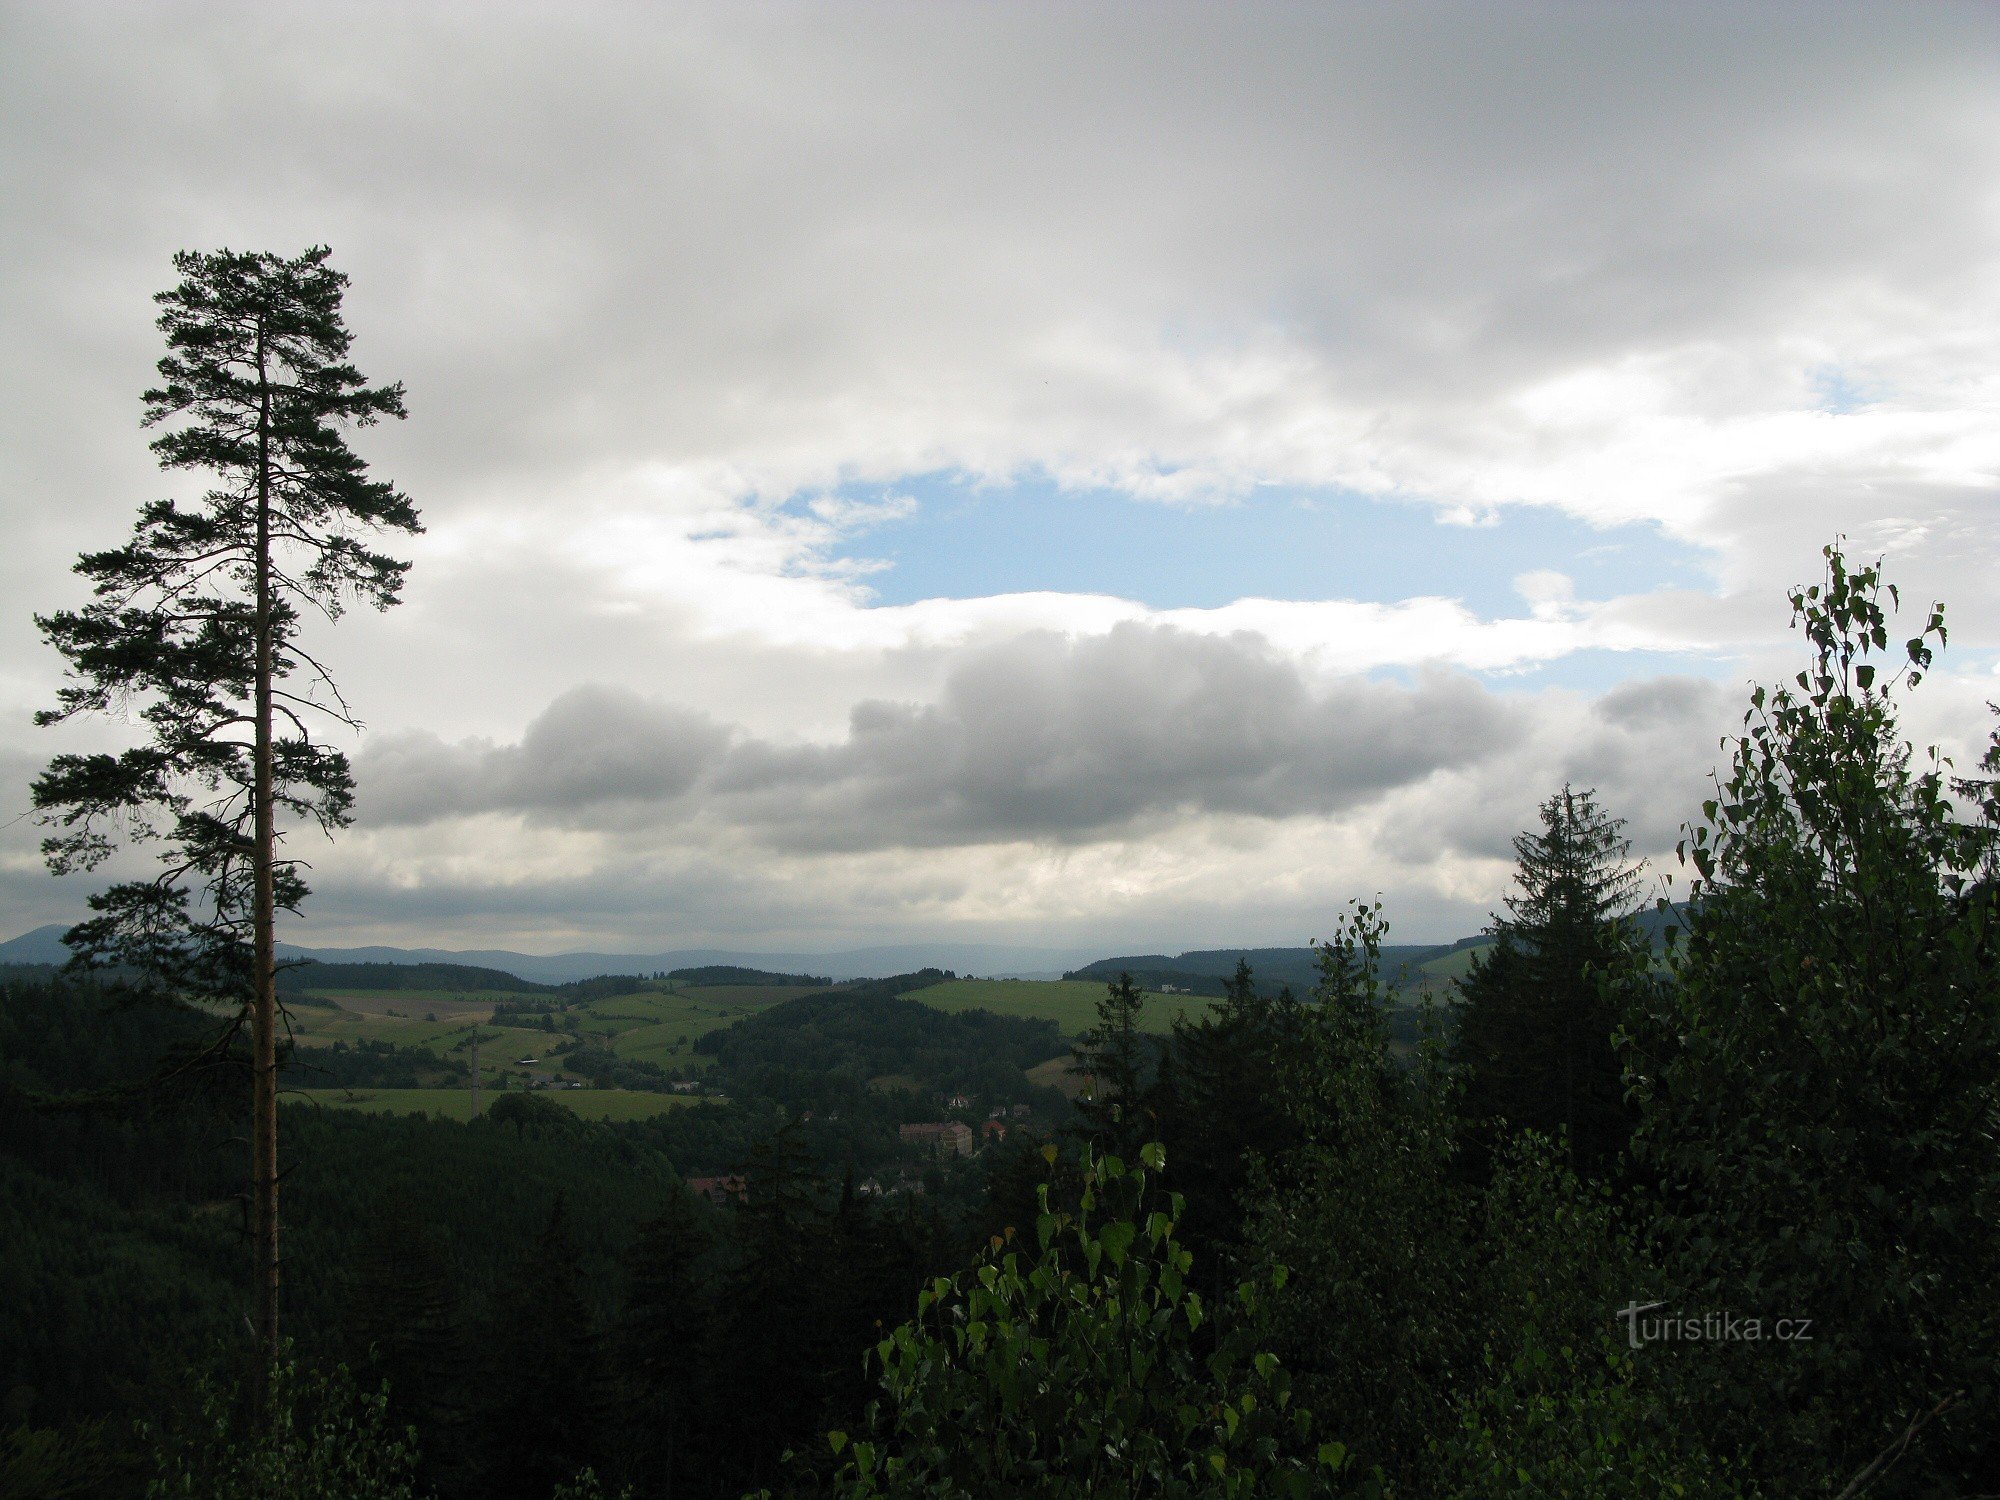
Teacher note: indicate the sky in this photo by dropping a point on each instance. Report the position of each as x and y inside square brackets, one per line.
[1117, 477]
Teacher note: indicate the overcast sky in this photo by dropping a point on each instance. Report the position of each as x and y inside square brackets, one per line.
[1113, 476]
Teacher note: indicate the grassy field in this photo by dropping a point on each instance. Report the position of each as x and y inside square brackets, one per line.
[1070, 1003]
[456, 1104]
[441, 1003]
[659, 1024]
[663, 1027]
[1057, 1073]
[1451, 965]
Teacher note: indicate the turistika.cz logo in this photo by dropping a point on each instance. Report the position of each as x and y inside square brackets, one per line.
[1709, 1327]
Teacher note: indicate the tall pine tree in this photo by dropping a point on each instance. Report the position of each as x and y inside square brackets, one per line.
[196, 623]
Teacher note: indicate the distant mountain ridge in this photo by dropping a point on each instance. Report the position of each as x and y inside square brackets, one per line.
[1200, 971]
[44, 946]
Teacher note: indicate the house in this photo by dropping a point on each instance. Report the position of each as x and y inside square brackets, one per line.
[945, 1137]
[992, 1133]
[1022, 1111]
[720, 1190]
[686, 1086]
[958, 1101]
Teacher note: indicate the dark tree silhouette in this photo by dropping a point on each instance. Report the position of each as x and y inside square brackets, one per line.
[195, 625]
[1540, 1006]
[1112, 1055]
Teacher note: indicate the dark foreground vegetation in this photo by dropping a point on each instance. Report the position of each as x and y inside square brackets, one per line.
[1719, 1221]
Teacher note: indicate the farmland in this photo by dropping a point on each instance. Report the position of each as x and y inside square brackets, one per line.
[456, 1104]
[561, 1039]
[657, 1024]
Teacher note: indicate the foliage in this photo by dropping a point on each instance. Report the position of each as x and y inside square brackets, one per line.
[1074, 1370]
[1539, 1008]
[1376, 1317]
[1114, 1057]
[49, 1465]
[869, 1032]
[1219, 1116]
[546, 1401]
[1570, 1424]
[320, 1438]
[710, 974]
[666, 1330]
[1821, 1076]
[1556, 1406]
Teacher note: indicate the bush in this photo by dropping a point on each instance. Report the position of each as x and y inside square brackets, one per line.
[1073, 1370]
[320, 1438]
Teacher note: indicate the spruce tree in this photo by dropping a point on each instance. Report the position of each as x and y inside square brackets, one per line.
[546, 1404]
[195, 626]
[1539, 1008]
[776, 1338]
[1222, 1113]
[666, 1332]
[1112, 1057]
[404, 1331]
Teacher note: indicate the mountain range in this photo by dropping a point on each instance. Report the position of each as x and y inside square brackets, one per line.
[44, 946]
[1200, 970]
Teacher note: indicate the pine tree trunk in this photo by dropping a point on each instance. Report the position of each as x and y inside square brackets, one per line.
[263, 921]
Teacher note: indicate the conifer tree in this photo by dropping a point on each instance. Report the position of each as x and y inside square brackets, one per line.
[667, 1327]
[776, 1333]
[1539, 1008]
[1222, 1111]
[403, 1323]
[546, 1412]
[1112, 1056]
[195, 625]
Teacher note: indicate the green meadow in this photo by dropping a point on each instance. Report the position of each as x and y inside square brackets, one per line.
[456, 1104]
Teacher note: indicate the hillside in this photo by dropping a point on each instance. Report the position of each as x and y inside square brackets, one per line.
[316, 976]
[1202, 971]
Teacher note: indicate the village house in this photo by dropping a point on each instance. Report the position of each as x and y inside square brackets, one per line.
[720, 1190]
[945, 1137]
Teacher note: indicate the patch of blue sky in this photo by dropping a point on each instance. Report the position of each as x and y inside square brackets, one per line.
[1840, 390]
[965, 540]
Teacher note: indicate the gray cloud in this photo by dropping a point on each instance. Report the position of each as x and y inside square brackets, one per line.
[594, 748]
[1042, 737]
